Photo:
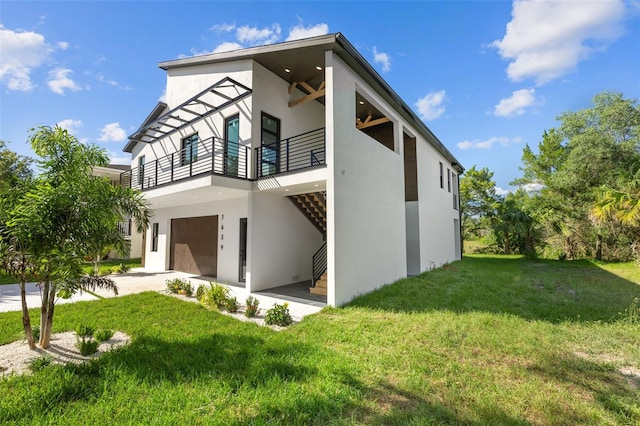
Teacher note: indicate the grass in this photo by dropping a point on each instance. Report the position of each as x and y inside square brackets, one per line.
[488, 340]
[105, 267]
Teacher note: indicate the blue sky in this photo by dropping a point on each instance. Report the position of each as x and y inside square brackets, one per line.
[486, 77]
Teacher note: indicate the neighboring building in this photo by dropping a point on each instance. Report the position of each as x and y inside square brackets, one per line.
[133, 238]
[274, 164]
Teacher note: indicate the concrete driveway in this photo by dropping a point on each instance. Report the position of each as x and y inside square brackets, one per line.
[137, 281]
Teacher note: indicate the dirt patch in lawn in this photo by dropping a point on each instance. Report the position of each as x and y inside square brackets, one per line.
[15, 357]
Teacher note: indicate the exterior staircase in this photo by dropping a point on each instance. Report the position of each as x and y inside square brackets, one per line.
[321, 285]
[314, 206]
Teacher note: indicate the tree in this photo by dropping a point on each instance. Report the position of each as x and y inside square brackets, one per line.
[477, 200]
[574, 161]
[62, 212]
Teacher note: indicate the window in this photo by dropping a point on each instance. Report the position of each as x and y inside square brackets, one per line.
[141, 161]
[448, 180]
[455, 190]
[270, 152]
[189, 152]
[232, 139]
[154, 236]
[441, 177]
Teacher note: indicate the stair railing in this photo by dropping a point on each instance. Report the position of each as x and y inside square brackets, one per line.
[319, 263]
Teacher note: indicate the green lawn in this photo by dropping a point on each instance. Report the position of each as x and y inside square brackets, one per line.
[106, 267]
[488, 340]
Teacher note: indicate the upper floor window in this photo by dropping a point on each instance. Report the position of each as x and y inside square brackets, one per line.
[449, 180]
[441, 176]
[189, 150]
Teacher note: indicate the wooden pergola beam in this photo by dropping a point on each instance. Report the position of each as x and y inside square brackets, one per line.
[370, 123]
[313, 93]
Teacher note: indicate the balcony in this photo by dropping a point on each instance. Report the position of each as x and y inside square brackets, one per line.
[292, 154]
[211, 156]
[216, 156]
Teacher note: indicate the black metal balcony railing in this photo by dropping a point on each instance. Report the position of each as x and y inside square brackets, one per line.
[220, 157]
[214, 156]
[292, 154]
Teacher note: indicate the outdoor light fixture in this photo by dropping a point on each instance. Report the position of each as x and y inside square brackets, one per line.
[287, 70]
[319, 68]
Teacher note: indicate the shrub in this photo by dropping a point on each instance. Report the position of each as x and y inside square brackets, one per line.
[632, 314]
[179, 286]
[216, 295]
[120, 269]
[87, 346]
[251, 309]
[187, 290]
[84, 330]
[102, 334]
[39, 363]
[200, 292]
[279, 315]
[232, 305]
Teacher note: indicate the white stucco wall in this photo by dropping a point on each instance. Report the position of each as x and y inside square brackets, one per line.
[271, 95]
[366, 209]
[228, 238]
[281, 242]
[437, 237]
[183, 84]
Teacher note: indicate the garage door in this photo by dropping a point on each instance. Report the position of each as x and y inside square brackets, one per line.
[194, 245]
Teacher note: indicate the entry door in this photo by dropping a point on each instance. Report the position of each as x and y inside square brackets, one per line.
[194, 245]
[232, 139]
[270, 160]
[242, 273]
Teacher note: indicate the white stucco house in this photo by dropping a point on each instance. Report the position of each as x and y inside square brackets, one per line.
[133, 238]
[293, 162]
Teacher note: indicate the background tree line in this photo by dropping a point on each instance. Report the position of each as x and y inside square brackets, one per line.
[583, 190]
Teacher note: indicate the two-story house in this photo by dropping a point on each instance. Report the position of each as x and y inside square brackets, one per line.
[293, 162]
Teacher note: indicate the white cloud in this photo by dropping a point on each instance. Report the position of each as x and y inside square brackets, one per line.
[63, 45]
[430, 106]
[112, 132]
[22, 51]
[102, 79]
[489, 143]
[223, 28]
[516, 104]
[255, 36]
[532, 187]
[501, 191]
[227, 46]
[119, 158]
[382, 58]
[59, 81]
[70, 125]
[300, 31]
[547, 39]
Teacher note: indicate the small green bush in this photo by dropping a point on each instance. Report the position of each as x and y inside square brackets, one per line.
[179, 286]
[39, 363]
[87, 346]
[232, 305]
[251, 309]
[216, 296]
[102, 334]
[278, 315]
[122, 268]
[84, 330]
[202, 289]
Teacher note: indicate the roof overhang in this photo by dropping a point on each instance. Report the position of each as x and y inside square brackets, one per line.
[301, 60]
[214, 98]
